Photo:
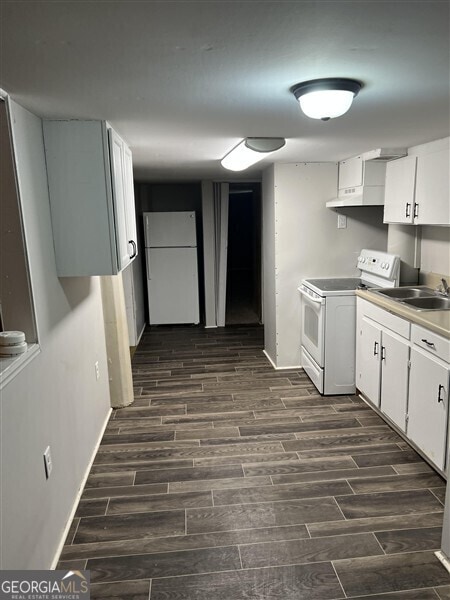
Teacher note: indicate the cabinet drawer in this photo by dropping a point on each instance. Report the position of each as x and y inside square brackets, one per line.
[434, 343]
[385, 318]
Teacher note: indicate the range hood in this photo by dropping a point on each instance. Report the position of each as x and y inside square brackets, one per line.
[361, 178]
[384, 154]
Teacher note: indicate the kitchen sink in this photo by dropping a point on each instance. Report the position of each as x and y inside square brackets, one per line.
[416, 297]
[430, 303]
[400, 293]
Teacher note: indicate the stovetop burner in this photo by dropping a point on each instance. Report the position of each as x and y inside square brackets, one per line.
[334, 284]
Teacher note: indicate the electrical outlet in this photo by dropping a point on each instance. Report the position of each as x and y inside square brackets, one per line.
[97, 371]
[342, 222]
[48, 465]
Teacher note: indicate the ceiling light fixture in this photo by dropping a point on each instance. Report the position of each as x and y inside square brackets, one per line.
[250, 151]
[326, 98]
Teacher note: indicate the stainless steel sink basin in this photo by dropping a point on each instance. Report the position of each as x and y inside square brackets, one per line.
[400, 293]
[416, 297]
[430, 303]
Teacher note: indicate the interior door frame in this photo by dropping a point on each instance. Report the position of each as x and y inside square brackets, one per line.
[221, 202]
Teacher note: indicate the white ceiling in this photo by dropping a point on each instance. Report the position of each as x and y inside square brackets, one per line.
[185, 81]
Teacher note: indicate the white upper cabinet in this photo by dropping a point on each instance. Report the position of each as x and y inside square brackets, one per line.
[399, 190]
[432, 188]
[360, 183]
[91, 198]
[130, 209]
[118, 188]
[417, 189]
[351, 172]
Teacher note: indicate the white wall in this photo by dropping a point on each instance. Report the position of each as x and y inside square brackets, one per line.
[308, 244]
[55, 400]
[435, 250]
[133, 285]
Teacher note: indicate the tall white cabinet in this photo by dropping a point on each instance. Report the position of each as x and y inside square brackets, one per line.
[90, 180]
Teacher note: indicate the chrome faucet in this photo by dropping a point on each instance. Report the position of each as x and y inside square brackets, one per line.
[443, 288]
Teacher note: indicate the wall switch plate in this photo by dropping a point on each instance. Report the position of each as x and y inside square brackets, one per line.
[342, 222]
[97, 371]
[48, 465]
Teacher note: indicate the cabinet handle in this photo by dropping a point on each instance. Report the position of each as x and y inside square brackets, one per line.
[133, 243]
[441, 387]
[408, 209]
[375, 348]
[383, 352]
[429, 344]
[416, 210]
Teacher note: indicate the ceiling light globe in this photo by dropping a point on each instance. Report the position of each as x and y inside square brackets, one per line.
[326, 104]
[326, 98]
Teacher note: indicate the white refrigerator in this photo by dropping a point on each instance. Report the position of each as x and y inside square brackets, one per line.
[172, 271]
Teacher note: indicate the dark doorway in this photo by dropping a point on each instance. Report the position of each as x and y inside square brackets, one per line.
[243, 303]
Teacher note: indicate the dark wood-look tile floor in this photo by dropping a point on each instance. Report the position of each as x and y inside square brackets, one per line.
[228, 480]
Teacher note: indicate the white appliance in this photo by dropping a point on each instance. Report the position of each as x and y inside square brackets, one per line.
[328, 339]
[172, 270]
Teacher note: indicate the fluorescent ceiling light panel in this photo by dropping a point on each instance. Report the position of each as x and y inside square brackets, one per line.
[250, 151]
[326, 98]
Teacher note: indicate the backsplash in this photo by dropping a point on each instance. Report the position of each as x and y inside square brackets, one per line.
[432, 280]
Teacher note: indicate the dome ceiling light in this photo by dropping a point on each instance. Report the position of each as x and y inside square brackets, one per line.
[250, 151]
[326, 98]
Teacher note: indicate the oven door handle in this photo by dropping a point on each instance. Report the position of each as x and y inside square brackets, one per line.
[310, 298]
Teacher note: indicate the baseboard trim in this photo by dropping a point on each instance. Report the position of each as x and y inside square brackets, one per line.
[280, 368]
[443, 559]
[140, 335]
[80, 492]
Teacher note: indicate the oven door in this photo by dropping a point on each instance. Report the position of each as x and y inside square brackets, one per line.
[313, 325]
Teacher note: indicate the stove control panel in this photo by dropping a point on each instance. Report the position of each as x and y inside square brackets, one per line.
[377, 263]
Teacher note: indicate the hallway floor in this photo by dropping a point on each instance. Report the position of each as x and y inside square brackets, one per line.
[227, 480]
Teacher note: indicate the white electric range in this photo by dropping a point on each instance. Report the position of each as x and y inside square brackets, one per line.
[328, 333]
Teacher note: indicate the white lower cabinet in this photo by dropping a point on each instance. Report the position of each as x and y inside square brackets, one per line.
[382, 369]
[429, 395]
[394, 377]
[368, 375]
[403, 369]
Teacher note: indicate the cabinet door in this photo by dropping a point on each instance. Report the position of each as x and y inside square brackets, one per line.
[368, 350]
[399, 190]
[116, 149]
[130, 208]
[351, 173]
[432, 189]
[428, 405]
[394, 377]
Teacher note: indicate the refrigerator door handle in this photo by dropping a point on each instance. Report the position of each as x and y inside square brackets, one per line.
[148, 263]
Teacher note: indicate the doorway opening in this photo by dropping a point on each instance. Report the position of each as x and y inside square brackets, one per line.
[243, 300]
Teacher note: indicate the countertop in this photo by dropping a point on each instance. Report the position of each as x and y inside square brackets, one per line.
[434, 320]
